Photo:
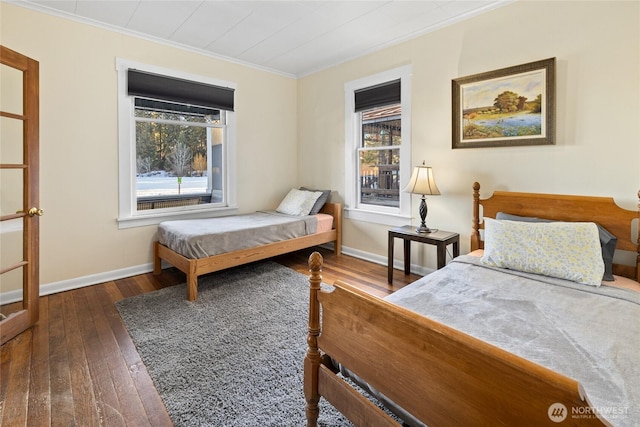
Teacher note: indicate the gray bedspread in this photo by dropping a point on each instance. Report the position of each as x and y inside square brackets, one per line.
[586, 333]
[200, 238]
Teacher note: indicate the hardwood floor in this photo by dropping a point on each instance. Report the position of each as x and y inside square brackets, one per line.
[79, 367]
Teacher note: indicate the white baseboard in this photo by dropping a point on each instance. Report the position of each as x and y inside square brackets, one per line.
[93, 279]
[79, 282]
[382, 260]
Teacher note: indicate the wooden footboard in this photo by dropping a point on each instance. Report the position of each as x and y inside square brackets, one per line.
[440, 375]
[193, 268]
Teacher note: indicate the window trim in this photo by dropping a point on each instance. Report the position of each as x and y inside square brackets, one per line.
[371, 213]
[128, 215]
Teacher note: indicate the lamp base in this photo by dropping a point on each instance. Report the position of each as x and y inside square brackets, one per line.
[423, 216]
[423, 229]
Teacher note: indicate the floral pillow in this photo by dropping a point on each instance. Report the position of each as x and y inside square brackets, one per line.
[608, 241]
[298, 202]
[566, 250]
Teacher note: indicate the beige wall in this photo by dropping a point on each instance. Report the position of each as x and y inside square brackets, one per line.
[597, 151]
[292, 133]
[79, 146]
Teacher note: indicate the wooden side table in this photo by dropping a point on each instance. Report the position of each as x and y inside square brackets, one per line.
[408, 233]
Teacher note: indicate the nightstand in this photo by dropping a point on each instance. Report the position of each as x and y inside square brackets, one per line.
[408, 233]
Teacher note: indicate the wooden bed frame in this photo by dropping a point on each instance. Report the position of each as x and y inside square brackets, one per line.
[463, 381]
[197, 267]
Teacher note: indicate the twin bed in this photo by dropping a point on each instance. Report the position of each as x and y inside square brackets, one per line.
[201, 246]
[508, 335]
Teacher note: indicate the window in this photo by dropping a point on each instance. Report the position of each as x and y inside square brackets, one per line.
[378, 153]
[176, 145]
[379, 156]
[178, 155]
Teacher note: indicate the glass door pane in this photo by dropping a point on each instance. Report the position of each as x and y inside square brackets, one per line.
[11, 85]
[11, 131]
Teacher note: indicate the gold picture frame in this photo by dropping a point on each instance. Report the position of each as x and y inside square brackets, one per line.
[506, 107]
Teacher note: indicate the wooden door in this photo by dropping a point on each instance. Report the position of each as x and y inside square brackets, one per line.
[19, 209]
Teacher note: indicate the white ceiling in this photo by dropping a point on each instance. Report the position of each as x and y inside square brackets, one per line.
[294, 38]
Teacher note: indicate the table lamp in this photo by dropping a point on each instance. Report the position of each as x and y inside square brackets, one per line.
[422, 182]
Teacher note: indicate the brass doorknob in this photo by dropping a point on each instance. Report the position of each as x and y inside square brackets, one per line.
[36, 211]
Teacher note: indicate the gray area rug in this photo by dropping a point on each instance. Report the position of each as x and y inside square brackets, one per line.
[235, 356]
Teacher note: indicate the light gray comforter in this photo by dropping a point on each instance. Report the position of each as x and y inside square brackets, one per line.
[586, 333]
[200, 238]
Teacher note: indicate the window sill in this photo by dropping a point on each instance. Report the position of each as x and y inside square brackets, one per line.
[149, 218]
[395, 220]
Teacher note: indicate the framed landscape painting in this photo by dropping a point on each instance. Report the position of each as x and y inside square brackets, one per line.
[506, 107]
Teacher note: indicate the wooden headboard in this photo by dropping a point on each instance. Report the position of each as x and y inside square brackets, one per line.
[601, 210]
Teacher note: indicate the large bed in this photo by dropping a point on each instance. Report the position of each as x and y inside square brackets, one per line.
[476, 343]
[202, 246]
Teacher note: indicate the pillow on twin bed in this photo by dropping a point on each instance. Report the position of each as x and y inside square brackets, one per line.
[608, 241]
[321, 200]
[298, 202]
[566, 250]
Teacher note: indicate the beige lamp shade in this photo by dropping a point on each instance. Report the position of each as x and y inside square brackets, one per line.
[422, 182]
